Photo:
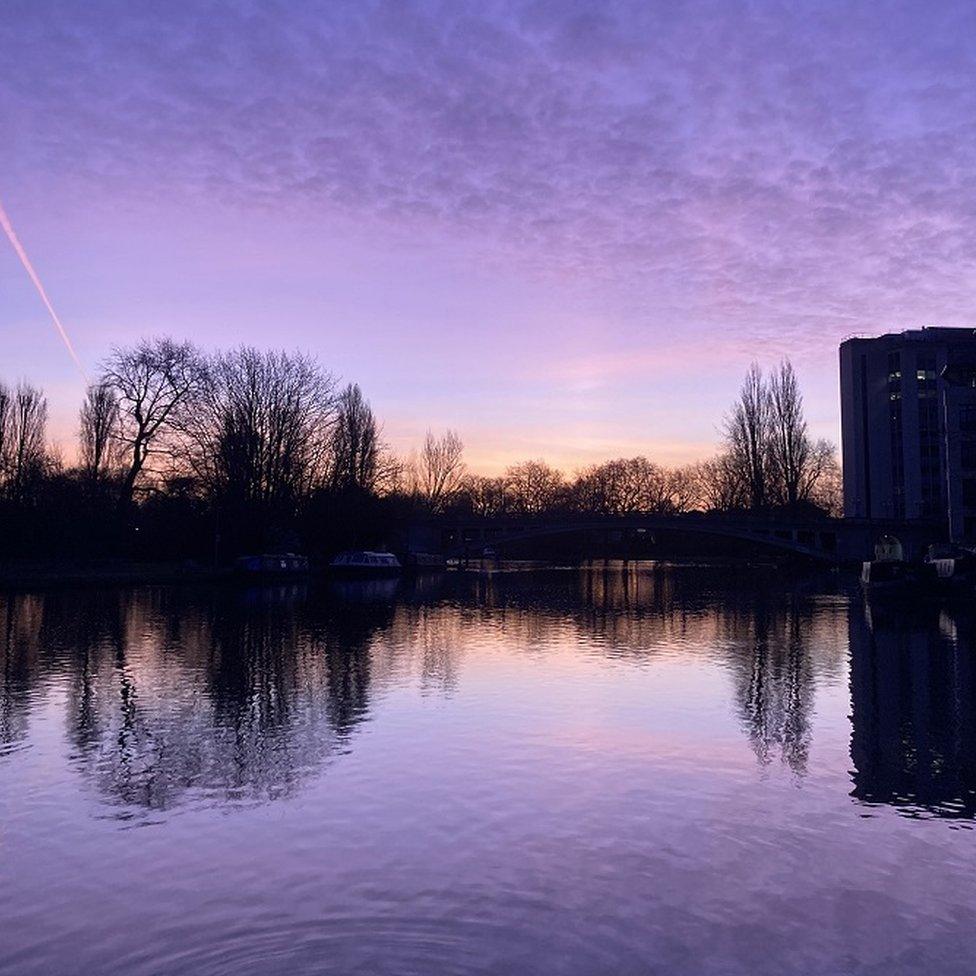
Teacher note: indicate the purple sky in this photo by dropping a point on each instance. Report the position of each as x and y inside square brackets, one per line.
[562, 228]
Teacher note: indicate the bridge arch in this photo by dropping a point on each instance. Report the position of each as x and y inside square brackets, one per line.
[818, 540]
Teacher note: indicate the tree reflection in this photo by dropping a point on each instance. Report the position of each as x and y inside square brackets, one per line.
[234, 695]
[776, 636]
[225, 695]
[913, 696]
[765, 633]
[18, 620]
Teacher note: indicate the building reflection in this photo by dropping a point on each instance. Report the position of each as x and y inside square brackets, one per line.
[913, 696]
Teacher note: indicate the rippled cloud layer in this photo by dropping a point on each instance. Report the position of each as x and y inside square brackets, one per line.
[789, 172]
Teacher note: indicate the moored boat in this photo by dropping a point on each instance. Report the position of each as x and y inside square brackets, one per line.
[363, 563]
[887, 573]
[951, 567]
[889, 569]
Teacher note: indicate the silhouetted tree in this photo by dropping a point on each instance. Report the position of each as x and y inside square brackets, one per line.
[26, 423]
[485, 496]
[768, 448]
[720, 483]
[6, 432]
[439, 471]
[151, 382]
[100, 445]
[260, 428]
[791, 450]
[534, 487]
[748, 435]
[356, 450]
[629, 485]
[683, 485]
[824, 484]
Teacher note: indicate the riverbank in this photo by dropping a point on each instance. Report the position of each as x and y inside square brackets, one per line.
[27, 573]
[19, 573]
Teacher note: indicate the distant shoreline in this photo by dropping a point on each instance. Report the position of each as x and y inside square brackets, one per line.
[15, 573]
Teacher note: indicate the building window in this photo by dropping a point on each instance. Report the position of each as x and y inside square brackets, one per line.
[967, 419]
[894, 367]
[925, 376]
[968, 457]
[897, 452]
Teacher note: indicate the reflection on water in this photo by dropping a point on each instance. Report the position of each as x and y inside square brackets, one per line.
[242, 692]
[913, 709]
[365, 591]
[233, 694]
[457, 774]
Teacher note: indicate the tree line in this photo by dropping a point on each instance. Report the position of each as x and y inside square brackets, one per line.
[182, 453]
[767, 461]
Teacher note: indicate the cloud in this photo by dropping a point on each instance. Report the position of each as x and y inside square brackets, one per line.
[770, 168]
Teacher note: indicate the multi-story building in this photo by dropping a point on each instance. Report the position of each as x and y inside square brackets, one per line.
[908, 424]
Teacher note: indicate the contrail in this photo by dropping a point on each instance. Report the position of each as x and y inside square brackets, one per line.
[29, 268]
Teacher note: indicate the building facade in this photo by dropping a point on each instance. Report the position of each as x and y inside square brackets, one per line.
[908, 425]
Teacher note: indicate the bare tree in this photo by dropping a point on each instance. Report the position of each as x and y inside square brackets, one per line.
[534, 487]
[486, 496]
[6, 432]
[648, 487]
[151, 383]
[799, 464]
[26, 428]
[586, 493]
[391, 473]
[721, 484]
[824, 483]
[748, 433]
[604, 487]
[439, 470]
[629, 485]
[684, 488]
[99, 432]
[260, 427]
[356, 446]
[790, 445]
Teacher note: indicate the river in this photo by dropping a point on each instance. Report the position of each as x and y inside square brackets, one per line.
[622, 770]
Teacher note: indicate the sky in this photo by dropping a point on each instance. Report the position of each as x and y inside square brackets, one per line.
[562, 228]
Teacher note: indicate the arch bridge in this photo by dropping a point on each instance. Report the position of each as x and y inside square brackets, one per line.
[828, 540]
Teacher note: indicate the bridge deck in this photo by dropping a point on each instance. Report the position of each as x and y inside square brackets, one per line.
[827, 539]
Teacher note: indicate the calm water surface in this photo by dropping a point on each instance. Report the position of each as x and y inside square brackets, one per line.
[662, 771]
